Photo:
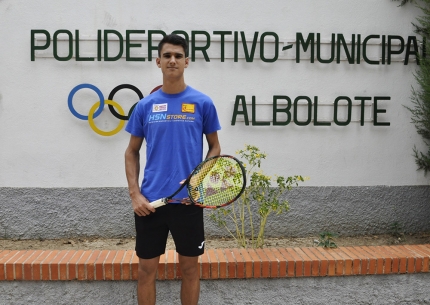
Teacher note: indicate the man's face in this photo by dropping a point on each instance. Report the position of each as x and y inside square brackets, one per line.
[172, 61]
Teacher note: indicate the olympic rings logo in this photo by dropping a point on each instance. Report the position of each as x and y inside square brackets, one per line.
[98, 107]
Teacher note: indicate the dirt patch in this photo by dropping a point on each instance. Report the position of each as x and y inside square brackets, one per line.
[211, 243]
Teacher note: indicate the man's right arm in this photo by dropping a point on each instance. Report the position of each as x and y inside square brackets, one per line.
[139, 203]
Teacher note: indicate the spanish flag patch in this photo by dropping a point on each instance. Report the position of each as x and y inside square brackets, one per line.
[188, 108]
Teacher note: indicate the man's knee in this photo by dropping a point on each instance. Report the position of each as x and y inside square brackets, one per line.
[147, 269]
[189, 267]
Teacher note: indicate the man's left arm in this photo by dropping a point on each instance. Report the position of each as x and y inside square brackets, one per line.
[213, 144]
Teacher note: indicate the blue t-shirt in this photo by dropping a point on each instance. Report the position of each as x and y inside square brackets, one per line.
[173, 126]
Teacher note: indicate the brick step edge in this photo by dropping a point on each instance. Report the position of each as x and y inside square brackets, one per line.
[121, 265]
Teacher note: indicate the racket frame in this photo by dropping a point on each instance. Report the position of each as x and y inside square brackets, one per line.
[189, 201]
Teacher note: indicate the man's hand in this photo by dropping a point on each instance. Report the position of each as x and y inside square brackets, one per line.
[141, 205]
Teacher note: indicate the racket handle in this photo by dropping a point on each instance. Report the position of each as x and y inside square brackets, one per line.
[158, 203]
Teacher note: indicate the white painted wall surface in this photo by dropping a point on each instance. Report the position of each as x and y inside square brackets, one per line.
[43, 145]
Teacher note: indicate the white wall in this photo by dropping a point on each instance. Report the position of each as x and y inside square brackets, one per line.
[43, 145]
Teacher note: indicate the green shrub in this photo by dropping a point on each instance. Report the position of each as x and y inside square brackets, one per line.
[240, 219]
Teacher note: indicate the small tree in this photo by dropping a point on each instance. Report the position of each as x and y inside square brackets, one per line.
[421, 96]
[239, 219]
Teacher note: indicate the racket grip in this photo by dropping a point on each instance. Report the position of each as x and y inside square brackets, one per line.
[158, 203]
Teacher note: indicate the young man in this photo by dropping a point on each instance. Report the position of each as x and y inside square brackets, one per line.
[173, 121]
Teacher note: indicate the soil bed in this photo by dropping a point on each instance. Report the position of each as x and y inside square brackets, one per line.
[211, 242]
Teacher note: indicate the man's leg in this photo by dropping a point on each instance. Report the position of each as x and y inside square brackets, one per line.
[147, 272]
[190, 288]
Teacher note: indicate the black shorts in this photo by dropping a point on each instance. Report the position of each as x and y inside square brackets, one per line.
[185, 223]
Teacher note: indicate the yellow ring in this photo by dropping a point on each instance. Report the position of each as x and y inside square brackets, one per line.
[99, 131]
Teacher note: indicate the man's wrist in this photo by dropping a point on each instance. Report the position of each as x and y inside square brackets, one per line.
[134, 193]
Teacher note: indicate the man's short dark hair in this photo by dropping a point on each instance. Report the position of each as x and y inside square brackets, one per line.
[175, 40]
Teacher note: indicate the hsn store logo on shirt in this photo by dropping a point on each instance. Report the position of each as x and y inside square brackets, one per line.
[170, 117]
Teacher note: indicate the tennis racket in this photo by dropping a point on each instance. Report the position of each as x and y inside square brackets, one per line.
[214, 183]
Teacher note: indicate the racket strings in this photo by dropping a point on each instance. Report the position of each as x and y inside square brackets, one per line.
[217, 182]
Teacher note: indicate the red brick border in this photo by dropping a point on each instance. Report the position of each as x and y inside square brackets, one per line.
[66, 265]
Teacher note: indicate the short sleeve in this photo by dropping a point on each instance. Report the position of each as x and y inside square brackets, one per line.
[135, 122]
[210, 118]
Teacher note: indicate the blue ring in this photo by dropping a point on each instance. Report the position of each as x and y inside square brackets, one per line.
[89, 86]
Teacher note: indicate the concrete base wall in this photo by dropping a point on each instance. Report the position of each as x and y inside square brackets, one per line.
[29, 213]
[383, 289]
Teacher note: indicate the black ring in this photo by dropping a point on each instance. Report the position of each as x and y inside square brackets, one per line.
[115, 90]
